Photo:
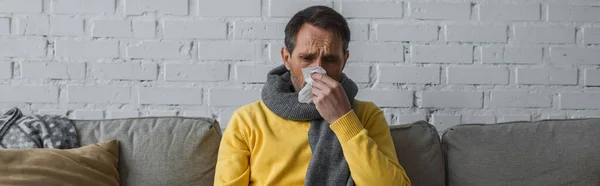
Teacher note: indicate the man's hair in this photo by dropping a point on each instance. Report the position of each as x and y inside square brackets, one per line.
[321, 17]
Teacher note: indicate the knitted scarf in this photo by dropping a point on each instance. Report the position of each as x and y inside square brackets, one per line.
[327, 165]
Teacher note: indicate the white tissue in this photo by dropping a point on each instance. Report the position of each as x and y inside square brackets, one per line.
[305, 94]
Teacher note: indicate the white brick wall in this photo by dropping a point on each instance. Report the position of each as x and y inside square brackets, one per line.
[447, 62]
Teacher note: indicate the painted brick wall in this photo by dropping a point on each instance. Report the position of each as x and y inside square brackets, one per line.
[446, 61]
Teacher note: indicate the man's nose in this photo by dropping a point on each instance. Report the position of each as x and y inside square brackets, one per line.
[317, 63]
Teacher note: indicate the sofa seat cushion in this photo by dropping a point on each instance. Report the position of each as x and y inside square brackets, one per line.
[159, 150]
[550, 152]
[420, 153]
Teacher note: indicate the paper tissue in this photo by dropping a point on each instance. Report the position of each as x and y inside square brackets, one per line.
[305, 94]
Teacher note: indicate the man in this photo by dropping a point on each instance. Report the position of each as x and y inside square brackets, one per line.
[335, 140]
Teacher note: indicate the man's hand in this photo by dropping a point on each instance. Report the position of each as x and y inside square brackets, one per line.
[329, 97]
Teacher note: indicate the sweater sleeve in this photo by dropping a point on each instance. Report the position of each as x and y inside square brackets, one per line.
[369, 150]
[234, 155]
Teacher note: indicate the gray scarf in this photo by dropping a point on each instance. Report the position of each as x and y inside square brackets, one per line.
[327, 165]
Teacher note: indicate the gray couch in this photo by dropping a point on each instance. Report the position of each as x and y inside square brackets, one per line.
[183, 151]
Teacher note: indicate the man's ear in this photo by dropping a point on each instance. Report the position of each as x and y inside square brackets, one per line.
[346, 56]
[285, 56]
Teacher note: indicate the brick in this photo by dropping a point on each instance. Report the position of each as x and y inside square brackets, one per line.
[546, 76]
[170, 96]
[372, 9]
[580, 100]
[159, 50]
[575, 55]
[6, 70]
[559, 12]
[224, 117]
[439, 11]
[259, 30]
[585, 13]
[442, 54]
[358, 73]
[83, 6]
[21, 6]
[122, 114]
[86, 49]
[387, 98]
[479, 119]
[360, 31]
[411, 118]
[476, 33]
[229, 50]
[388, 52]
[591, 35]
[98, 94]
[52, 70]
[514, 117]
[66, 26]
[144, 29]
[30, 48]
[517, 55]
[202, 112]
[88, 114]
[443, 121]
[204, 29]
[4, 26]
[275, 53]
[520, 99]
[111, 28]
[407, 32]
[232, 97]
[455, 99]
[287, 8]
[478, 75]
[545, 34]
[59, 112]
[576, 13]
[196, 72]
[162, 113]
[224, 8]
[125, 71]
[29, 94]
[409, 74]
[388, 115]
[555, 116]
[250, 73]
[510, 12]
[33, 26]
[584, 114]
[173, 7]
[592, 77]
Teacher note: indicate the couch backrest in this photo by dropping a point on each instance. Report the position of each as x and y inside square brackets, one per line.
[185, 149]
[550, 152]
[420, 153]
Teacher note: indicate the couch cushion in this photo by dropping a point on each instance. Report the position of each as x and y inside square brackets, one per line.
[550, 152]
[420, 153]
[159, 150]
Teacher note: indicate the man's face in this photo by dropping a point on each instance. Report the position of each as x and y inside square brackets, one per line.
[315, 47]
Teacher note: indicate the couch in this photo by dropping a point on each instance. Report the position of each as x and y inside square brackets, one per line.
[183, 151]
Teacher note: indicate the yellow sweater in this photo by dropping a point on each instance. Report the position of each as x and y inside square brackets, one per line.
[261, 148]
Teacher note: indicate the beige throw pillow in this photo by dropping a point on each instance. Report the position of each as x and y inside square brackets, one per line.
[89, 165]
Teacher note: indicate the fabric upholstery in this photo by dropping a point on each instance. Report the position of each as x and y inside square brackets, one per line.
[420, 153]
[159, 150]
[550, 152]
[93, 165]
